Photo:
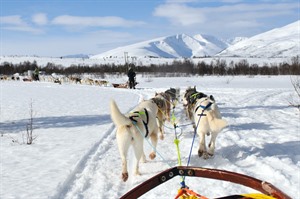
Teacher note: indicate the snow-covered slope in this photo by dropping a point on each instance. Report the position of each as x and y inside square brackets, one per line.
[176, 46]
[235, 40]
[279, 42]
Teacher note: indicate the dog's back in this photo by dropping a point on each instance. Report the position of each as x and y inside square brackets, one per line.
[212, 116]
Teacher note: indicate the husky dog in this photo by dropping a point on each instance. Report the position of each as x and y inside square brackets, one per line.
[189, 100]
[174, 94]
[167, 98]
[132, 129]
[163, 112]
[208, 121]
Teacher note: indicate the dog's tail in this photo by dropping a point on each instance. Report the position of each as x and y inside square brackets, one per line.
[117, 117]
[218, 125]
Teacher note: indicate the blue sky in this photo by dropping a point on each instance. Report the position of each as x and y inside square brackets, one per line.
[66, 27]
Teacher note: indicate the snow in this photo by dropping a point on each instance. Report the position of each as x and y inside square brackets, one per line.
[75, 154]
[279, 42]
[174, 46]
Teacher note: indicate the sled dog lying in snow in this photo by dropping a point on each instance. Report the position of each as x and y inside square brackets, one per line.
[208, 121]
[132, 128]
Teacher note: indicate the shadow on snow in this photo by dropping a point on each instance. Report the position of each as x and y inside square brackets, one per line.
[55, 122]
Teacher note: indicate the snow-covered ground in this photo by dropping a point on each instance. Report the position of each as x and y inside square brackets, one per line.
[75, 153]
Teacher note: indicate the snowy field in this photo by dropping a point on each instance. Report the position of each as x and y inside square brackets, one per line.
[75, 155]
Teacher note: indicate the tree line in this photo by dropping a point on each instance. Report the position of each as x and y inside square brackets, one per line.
[185, 67]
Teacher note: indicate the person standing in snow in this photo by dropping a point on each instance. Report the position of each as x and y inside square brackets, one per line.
[131, 78]
[36, 74]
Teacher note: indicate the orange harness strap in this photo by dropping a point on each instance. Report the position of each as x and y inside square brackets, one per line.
[187, 193]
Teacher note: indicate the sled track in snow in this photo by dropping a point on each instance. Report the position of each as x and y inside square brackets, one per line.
[87, 163]
[92, 170]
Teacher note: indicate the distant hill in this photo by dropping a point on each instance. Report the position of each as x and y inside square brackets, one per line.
[176, 46]
[76, 56]
[279, 42]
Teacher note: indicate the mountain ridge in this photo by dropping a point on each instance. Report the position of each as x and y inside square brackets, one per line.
[174, 46]
[278, 42]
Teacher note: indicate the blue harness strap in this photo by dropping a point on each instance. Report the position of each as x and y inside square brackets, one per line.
[204, 107]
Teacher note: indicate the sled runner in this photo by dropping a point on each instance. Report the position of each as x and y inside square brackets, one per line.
[268, 191]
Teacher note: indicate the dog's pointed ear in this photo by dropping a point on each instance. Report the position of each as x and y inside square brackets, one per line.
[212, 98]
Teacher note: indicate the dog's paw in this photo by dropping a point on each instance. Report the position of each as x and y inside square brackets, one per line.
[200, 153]
[210, 154]
[161, 137]
[143, 159]
[152, 155]
[137, 173]
[207, 155]
[124, 177]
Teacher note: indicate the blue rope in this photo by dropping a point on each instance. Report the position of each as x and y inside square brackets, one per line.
[134, 123]
[190, 154]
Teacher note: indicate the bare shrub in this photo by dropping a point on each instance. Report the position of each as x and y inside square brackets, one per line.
[29, 126]
[296, 84]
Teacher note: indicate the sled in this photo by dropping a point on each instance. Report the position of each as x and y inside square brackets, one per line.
[125, 85]
[268, 191]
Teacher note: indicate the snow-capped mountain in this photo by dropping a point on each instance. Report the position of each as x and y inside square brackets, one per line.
[235, 40]
[176, 46]
[279, 42]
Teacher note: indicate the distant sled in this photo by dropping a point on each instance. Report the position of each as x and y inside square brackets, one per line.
[268, 191]
[125, 85]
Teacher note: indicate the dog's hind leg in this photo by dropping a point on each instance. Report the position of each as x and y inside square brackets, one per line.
[211, 145]
[139, 153]
[154, 139]
[202, 147]
[161, 129]
[123, 143]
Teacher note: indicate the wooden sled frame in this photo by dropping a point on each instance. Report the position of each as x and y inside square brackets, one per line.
[261, 186]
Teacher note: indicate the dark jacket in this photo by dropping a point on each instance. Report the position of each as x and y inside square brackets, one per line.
[131, 75]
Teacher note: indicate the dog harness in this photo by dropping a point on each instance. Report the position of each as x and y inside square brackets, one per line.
[195, 96]
[203, 107]
[139, 113]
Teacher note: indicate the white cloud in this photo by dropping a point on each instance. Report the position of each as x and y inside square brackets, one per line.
[16, 23]
[24, 28]
[180, 14]
[109, 21]
[40, 19]
[180, 1]
[12, 20]
[185, 15]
